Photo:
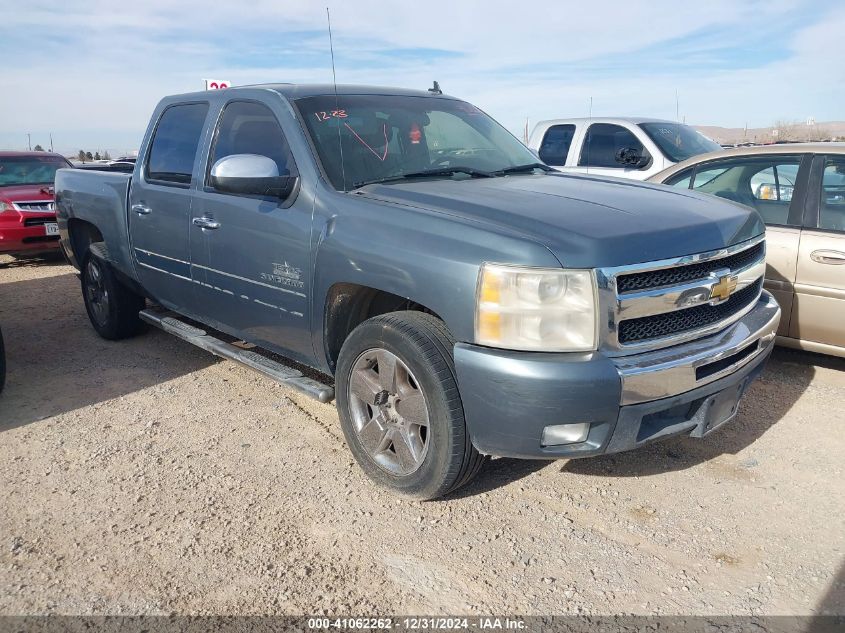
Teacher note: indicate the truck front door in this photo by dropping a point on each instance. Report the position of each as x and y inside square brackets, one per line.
[253, 267]
[160, 201]
[601, 145]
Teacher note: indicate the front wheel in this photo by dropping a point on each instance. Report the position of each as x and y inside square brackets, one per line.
[112, 307]
[400, 408]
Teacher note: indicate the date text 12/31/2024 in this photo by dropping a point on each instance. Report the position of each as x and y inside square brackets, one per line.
[419, 623]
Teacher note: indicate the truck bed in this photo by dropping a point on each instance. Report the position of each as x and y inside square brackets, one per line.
[99, 198]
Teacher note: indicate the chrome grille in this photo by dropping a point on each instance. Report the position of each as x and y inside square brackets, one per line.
[683, 274]
[663, 303]
[669, 323]
[36, 205]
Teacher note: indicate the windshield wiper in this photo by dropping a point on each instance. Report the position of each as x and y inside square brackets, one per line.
[429, 173]
[520, 168]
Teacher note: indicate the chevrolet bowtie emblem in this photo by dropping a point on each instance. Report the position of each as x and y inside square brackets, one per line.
[724, 288]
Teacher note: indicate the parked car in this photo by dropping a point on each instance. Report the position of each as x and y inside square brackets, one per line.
[27, 209]
[799, 190]
[626, 147]
[468, 300]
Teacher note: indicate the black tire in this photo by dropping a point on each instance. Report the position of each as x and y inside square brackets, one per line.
[424, 345]
[2, 362]
[112, 307]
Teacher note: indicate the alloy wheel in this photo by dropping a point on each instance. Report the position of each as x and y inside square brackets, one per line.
[389, 411]
[98, 295]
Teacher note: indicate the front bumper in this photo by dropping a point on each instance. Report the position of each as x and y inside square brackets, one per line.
[510, 397]
[17, 237]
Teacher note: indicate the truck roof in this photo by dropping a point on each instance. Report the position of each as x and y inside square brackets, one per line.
[605, 119]
[296, 91]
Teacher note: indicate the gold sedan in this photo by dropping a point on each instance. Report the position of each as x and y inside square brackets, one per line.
[799, 191]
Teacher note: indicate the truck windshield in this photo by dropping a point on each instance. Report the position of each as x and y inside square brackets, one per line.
[678, 141]
[385, 137]
[29, 170]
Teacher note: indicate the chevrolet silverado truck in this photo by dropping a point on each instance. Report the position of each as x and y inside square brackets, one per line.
[458, 298]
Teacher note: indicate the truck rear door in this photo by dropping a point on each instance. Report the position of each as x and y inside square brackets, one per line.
[253, 264]
[160, 201]
[555, 146]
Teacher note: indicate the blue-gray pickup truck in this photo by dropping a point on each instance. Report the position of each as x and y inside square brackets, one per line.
[458, 297]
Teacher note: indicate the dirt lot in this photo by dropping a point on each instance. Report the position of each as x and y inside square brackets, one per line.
[148, 477]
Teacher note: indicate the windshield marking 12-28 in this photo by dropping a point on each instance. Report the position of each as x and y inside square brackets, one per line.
[362, 139]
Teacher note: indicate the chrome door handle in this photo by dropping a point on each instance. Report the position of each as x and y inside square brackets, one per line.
[835, 258]
[140, 209]
[206, 223]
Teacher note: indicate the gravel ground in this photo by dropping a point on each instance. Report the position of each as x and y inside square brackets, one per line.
[146, 476]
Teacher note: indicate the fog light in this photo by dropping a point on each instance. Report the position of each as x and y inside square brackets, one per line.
[565, 434]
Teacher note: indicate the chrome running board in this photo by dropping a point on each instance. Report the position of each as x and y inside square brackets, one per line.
[282, 374]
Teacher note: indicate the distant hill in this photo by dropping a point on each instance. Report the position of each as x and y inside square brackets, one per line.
[787, 131]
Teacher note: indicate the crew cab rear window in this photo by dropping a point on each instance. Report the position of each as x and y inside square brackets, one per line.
[175, 142]
[555, 145]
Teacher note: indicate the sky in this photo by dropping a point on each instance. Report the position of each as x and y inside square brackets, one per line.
[91, 71]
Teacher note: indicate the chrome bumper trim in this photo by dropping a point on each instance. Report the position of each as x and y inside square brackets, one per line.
[669, 372]
[34, 206]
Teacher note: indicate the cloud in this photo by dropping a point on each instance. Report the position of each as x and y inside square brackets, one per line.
[99, 68]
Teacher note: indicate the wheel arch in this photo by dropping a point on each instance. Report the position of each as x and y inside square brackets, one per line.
[81, 234]
[347, 305]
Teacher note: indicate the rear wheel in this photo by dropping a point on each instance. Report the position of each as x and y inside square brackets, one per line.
[400, 408]
[112, 307]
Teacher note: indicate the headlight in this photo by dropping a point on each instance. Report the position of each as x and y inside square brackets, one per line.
[536, 309]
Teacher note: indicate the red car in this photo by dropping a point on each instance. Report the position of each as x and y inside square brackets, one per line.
[27, 207]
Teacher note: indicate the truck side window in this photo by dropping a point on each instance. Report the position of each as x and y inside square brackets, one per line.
[175, 142]
[603, 141]
[247, 127]
[555, 145]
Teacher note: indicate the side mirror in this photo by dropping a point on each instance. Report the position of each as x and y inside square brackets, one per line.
[631, 157]
[252, 175]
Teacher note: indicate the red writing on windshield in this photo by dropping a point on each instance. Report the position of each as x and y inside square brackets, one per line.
[325, 116]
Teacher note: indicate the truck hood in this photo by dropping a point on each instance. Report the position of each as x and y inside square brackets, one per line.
[585, 221]
[23, 193]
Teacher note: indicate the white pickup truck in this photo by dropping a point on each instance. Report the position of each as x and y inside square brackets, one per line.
[630, 147]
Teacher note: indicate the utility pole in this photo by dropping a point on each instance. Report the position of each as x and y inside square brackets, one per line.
[51, 141]
[677, 106]
[29, 141]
